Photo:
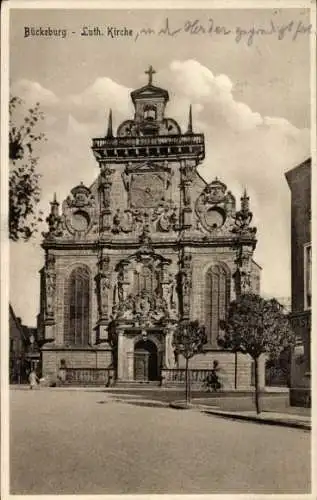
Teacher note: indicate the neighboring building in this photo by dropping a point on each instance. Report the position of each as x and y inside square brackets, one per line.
[24, 353]
[286, 302]
[299, 181]
[147, 244]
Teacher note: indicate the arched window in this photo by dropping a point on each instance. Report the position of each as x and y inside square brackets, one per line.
[216, 300]
[77, 307]
[150, 113]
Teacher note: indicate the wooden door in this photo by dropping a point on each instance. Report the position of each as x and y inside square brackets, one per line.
[141, 366]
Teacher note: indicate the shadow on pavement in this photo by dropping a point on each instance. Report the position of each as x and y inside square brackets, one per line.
[148, 404]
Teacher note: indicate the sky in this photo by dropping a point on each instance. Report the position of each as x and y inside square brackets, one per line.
[250, 96]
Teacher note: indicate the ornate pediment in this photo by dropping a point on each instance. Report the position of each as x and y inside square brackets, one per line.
[149, 91]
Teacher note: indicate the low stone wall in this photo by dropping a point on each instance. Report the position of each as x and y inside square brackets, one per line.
[235, 371]
[74, 359]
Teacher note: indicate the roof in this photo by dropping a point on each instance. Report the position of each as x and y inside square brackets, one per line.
[290, 173]
[18, 323]
[147, 91]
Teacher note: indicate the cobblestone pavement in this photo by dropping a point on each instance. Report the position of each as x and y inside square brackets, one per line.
[86, 442]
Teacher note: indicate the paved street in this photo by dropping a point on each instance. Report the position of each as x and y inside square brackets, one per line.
[71, 442]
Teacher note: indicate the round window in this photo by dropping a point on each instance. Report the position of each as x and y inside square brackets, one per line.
[214, 218]
[80, 221]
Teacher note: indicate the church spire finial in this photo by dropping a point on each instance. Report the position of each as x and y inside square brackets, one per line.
[54, 206]
[190, 121]
[109, 129]
[151, 71]
[245, 201]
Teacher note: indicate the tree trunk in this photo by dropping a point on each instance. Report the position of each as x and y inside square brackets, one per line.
[186, 382]
[257, 388]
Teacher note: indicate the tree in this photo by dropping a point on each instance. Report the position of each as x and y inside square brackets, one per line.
[189, 339]
[256, 326]
[24, 190]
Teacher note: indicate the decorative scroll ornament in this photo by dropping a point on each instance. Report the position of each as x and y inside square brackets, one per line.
[103, 285]
[50, 286]
[215, 208]
[79, 211]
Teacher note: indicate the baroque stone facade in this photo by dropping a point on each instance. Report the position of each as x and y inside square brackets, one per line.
[147, 244]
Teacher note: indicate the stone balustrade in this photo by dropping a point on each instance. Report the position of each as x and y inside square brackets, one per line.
[89, 376]
[129, 148]
[177, 376]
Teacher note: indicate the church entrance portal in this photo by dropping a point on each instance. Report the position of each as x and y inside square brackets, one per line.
[145, 361]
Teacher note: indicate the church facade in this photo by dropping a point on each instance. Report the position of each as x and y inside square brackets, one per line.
[148, 244]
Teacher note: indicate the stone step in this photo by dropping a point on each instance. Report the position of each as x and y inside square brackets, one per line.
[136, 383]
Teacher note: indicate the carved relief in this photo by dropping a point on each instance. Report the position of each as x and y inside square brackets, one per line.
[81, 197]
[145, 309]
[164, 218]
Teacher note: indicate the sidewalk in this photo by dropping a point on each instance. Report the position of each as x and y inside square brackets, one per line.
[266, 417]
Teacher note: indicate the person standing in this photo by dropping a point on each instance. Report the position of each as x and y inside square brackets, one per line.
[33, 379]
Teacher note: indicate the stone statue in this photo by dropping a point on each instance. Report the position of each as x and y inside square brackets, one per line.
[50, 281]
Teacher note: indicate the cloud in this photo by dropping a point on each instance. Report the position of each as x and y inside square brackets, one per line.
[97, 99]
[243, 148]
[192, 80]
[33, 92]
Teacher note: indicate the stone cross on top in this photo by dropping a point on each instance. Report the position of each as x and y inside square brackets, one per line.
[150, 72]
